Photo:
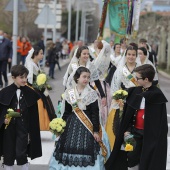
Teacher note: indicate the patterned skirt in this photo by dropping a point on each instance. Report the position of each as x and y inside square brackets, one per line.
[76, 145]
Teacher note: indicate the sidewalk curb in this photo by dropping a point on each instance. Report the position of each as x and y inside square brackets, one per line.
[164, 74]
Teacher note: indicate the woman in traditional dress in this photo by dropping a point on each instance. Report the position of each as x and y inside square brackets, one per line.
[122, 79]
[80, 146]
[97, 69]
[81, 58]
[144, 58]
[45, 106]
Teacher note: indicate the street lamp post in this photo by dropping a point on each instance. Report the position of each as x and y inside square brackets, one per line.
[77, 22]
[15, 32]
[69, 20]
[54, 28]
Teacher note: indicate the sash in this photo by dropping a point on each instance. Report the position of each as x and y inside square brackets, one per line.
[129, 76]
[85, 120]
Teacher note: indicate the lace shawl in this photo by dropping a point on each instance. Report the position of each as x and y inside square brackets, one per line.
[119, 78]
[74, 66]
[103, 59]
[115, 60]
[147, 61]
[69, 68]
[87, 97]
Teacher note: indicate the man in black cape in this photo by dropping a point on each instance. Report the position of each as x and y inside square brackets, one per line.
[150, 151]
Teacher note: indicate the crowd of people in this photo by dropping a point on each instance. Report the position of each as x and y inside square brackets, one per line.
[98, 126]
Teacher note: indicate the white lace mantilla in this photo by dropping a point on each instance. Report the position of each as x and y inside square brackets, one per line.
[119, 78]
[74, 66]
[32, 67]
[87, 97]
[103, 60]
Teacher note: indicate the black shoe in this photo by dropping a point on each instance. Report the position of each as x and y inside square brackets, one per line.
[52, 77]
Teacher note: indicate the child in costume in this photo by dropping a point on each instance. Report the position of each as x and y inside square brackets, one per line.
[81, 146]
[144, 117]
[20, 136]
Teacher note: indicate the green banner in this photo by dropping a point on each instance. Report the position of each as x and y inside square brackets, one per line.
[118, 17]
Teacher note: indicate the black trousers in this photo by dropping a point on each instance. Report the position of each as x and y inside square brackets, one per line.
[15, 143]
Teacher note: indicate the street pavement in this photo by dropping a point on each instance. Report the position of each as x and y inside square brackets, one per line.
[58, 89]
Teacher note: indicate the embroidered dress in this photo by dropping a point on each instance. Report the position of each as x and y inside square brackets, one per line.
[45, 106]
[121, 79]
[77, 149]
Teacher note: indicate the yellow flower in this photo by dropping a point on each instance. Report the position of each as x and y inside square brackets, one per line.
[59, 128]
[119, 92]
[41, 79]
[128, 147]
[10, 110]
[125, 93]
[52, 125]
[63, 95]
[63, 124]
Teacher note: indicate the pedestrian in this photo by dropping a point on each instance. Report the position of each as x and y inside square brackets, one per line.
[25, 47]
[45, 106]
[144, 117]
[52, 59]
[65, 49]
[79, 147]
[5, 57]
[20, 136]
[41, 43]
[19, 47]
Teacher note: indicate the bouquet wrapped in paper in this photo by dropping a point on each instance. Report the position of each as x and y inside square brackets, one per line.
[41, 82]
[10, 114]
[129, 142]
[119, 97]
[57, 126]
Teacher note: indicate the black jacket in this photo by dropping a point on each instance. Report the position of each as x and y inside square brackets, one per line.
[5, 49]
[154, 150]
[92, 112]
[31, 98]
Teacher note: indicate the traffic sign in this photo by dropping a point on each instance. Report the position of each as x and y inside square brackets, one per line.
[21, 6]
[46, 17]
